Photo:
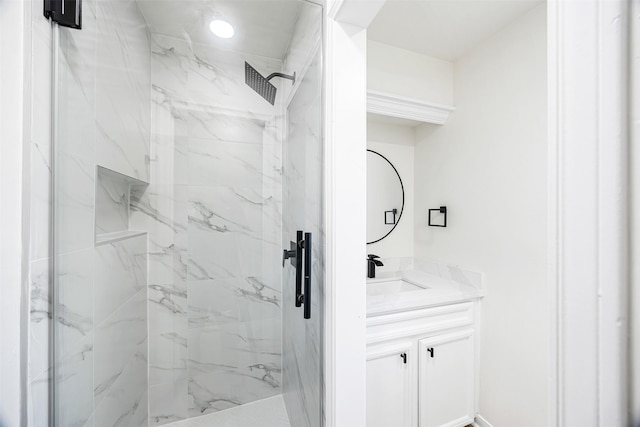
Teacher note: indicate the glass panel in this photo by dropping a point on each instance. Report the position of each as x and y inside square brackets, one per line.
[303, 189]
[175, 186]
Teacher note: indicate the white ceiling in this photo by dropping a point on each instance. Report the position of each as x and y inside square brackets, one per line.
[262, 27]
[444, 29]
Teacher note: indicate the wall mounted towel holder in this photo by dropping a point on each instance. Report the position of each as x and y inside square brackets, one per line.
[442, 210]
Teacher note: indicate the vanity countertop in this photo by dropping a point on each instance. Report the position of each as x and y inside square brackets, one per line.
[415, 284]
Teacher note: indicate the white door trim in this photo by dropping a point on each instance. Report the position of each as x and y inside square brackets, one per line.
[345, 207]
[588, 230]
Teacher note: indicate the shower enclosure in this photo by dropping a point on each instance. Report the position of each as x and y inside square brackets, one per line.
[177, 190]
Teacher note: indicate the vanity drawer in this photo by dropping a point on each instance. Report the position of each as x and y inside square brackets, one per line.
[419, 322]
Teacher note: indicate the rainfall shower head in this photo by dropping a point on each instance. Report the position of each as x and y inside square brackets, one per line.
[261, 85]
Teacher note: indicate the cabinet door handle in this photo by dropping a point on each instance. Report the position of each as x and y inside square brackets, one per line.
[404, 357]
[430, 350]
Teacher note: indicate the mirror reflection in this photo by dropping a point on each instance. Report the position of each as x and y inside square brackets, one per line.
[385, 197]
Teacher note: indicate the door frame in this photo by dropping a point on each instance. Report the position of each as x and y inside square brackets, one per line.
[588, 183]
[588, 211]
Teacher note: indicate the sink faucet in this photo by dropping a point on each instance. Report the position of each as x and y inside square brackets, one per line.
[372, 262]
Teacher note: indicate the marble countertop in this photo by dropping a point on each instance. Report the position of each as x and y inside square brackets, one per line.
[425, 284]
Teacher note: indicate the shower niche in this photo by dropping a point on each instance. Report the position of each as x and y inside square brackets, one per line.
[113, 205]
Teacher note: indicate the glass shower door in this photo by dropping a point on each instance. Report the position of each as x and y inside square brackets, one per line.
[176, 186]
[303, 162]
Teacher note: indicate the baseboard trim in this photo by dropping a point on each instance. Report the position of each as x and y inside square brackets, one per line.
[481, 422]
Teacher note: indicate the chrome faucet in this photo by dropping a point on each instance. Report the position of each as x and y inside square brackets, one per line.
[372, 262]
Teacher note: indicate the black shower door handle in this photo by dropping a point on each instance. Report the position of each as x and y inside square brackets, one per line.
[307, 275]
[299, 246]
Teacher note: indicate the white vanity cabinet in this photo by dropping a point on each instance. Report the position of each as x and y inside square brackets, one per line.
[446, 380]
[391, 385]
[436, 387]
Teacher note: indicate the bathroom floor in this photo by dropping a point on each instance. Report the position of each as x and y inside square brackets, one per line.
[268, 412]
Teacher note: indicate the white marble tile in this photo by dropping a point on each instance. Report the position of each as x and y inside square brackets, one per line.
[39, 400]
[117, 340]
[74, 204]
[76, 81]
[233, 365]
[40, 137]
[112, 204]
[74, 273]
[269, 412]
[231, 300]
[169, 156]
[170, 59]
[306, 37]
[223, 390]
[216, 78]
[120, 272]
[302, 207]
[126, 401]
[167, 403]
[225, 233]
[214, 162]
[235, 346]
[39, 317]
[41, 206]
[224, 125]
[167, 345]
[162, 211]
[74, 389]
[122, 89]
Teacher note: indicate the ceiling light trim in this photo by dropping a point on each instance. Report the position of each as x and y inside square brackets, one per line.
[222, 28]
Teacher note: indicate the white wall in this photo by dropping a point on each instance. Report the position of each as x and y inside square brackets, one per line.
[405, 73]
[345, 179]
[396, 143]
[14, 66]
[488, 166]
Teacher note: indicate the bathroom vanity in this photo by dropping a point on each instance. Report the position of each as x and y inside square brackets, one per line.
[422, 334]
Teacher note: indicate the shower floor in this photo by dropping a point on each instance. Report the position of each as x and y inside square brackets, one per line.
[268, 412]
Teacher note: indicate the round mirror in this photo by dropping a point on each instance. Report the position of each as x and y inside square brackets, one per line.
[385, 197]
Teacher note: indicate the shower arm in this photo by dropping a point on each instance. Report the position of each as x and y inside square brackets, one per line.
[284, 76]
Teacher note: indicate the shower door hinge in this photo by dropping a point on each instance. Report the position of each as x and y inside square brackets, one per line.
[67, 13]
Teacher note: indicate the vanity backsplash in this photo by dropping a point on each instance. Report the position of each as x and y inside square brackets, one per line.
[395, 266]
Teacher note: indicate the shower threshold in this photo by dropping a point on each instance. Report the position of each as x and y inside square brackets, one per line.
[269, 412]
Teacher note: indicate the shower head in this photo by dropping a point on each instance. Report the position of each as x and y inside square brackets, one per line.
[261, 85]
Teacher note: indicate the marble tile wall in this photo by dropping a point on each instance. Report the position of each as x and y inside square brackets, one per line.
[303, 161]
[213, 209]
[39, 363]
[103, 121]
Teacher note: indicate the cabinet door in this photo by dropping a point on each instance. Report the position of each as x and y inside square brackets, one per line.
[391, 386]
[446, 380]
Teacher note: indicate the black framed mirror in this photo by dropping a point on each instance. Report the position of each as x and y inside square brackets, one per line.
[385, 197]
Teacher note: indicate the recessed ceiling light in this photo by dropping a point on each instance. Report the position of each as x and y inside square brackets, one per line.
[221, 28]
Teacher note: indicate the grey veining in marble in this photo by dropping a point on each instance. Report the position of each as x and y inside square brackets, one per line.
[101, 308]
[269, 412]
[213, 214]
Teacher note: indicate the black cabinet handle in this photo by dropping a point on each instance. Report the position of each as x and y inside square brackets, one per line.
[307, 275]
[430, 350]
[404, 357]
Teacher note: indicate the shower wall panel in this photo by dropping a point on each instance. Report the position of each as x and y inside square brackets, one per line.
[213, 209]
[100, 264]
